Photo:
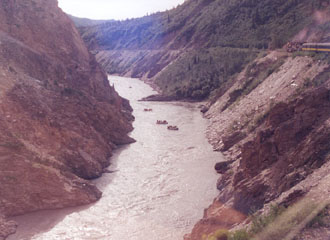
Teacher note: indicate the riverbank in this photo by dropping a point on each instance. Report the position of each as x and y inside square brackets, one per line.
[160, 184]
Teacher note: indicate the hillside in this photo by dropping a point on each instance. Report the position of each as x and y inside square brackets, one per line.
[59, 118]
[195, 36]
[83, 22]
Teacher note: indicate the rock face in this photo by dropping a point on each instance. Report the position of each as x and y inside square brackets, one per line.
[293, 143]
[275, 138]
[59, 117]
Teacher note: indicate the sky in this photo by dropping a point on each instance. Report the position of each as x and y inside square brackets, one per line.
[115, 9]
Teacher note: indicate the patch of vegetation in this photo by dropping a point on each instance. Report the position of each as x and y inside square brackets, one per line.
[239, 235]
[321, 219]
[224, 234]
[321, 78]
[255, 75]
[278, 223]
[317, 56]
[70, 92]
[199, 72]
[259, 73]
[221, 234]
[258, 120]
[259, 222]
[322, 56]
[290, 219]
[209, 23]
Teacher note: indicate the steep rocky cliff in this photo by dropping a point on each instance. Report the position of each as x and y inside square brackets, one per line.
[59, 118]
[275, 138]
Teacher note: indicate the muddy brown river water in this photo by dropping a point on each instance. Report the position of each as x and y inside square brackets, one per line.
[160, 186]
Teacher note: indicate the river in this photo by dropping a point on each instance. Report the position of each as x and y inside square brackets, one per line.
[160, 186]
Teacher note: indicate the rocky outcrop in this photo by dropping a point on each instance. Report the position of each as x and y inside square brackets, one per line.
[275, 139]
[59, 118]
[294, 142]
[6, 228]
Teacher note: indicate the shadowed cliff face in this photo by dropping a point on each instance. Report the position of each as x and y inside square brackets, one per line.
[275, 139]
[294, 142]
[59, 118]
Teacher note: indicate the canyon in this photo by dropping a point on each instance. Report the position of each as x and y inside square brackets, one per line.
[268, 110]
[151, 190]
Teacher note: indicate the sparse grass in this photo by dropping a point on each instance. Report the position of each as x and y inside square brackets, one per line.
[279, 223]
[239, 235]
[303, 54]
[285, 225]
[221, 234]
[259, 222]
[320, 219]
[317, 56]
[321, 78]
[259, 73]
[258, 120]
[230, 172]
[255, 75]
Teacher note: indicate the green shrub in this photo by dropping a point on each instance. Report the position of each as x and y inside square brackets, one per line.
[259, 222]
[199, 72]
[221, 234]
[284, 226]
[239, 235]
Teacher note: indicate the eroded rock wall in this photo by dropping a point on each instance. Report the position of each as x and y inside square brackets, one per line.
[59, 118]
[275, 139]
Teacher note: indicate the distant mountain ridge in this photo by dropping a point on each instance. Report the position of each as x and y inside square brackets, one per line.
[84, 22]
[197, 30]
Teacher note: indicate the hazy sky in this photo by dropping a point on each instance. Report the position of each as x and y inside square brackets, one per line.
[115, 9]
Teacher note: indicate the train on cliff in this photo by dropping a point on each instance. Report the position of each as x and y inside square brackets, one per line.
[314, 47]
[317, 47]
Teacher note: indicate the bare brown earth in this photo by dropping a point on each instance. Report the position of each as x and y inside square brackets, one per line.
[275, 139]
[59, 118]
